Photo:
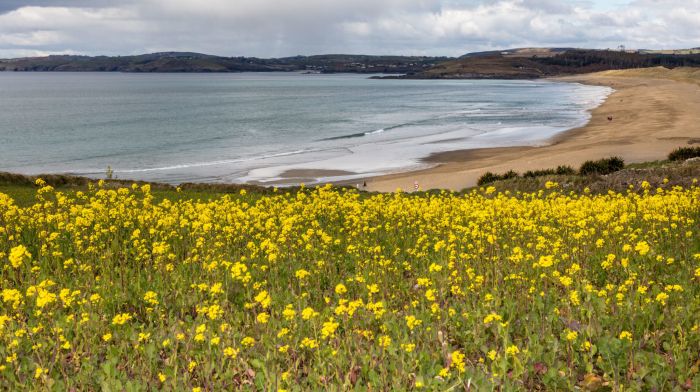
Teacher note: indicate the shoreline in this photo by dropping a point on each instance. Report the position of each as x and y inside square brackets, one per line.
[652, 112]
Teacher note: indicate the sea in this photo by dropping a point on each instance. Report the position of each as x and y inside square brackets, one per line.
[267, 128]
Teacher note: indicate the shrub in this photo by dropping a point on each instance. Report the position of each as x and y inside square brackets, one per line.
[683, 153]
[489, 177]
[509, 174]
[602, 166]
[538, 173]
[560, 170]
[564, 170]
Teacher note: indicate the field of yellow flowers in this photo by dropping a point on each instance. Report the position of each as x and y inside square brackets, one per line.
[327, 289]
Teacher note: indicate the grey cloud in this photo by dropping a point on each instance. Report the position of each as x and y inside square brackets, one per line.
[11, 5]
[267, 28]
[549, 6]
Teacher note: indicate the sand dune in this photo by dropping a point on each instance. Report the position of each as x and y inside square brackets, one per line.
[653, 111]
[688, 75]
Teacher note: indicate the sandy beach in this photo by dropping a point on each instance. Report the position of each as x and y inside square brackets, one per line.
[651, 112]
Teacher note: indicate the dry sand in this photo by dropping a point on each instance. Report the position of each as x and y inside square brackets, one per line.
[653, 112]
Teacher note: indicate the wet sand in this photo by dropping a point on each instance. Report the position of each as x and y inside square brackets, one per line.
[651, 112]
[307, 176]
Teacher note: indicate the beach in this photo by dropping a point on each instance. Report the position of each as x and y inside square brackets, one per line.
[651, 112]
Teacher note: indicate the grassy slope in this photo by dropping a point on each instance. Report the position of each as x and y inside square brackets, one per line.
[655, 173]
[23, 190]
[497, 67]
[24, 195]
[530, 65]
[509, 293]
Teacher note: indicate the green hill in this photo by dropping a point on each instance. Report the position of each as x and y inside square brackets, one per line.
[196, 62]
[533, 63]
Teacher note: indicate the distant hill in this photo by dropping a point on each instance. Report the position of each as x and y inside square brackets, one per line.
[671, 51]
[519, 52]
[533, 63]
[197, 62]
[519, 63]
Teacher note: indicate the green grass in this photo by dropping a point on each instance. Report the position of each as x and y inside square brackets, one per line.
[23, 190]
[23, 195]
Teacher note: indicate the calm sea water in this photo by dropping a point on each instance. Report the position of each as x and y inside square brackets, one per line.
[254, 127]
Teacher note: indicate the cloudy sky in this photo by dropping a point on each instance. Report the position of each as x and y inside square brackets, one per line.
[273, 28]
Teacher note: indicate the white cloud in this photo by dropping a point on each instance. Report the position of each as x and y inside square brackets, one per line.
[32, 38]
[268, 28]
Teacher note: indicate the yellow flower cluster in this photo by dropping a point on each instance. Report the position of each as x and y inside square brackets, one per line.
[329, 288]
[18, 255]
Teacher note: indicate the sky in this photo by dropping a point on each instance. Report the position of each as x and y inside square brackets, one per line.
[277, 28]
